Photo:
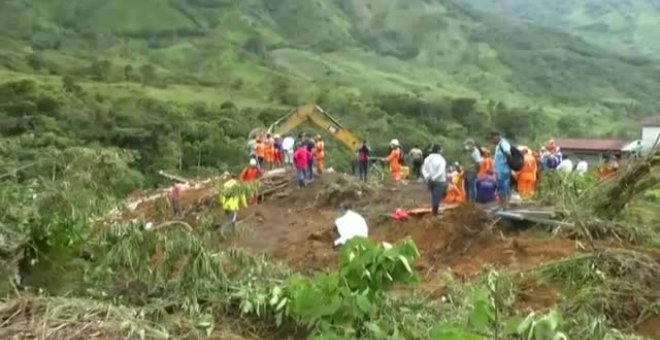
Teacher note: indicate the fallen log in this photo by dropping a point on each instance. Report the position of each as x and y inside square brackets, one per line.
[173, 177]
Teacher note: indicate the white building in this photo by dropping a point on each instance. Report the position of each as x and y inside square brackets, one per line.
[650, 132]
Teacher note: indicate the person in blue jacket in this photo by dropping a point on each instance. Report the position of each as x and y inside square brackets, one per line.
[501, 164]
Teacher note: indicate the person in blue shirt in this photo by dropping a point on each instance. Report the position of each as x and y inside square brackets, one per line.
[501, 164]
[487, 189]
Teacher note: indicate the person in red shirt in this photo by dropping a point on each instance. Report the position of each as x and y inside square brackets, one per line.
[301, 161]
[250, 174]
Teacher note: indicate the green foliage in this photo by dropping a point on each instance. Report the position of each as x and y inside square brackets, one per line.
[487, 318]
[607, 23]
[342, 302]
[565, 190]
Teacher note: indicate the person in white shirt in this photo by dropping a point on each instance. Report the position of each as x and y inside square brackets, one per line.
[566, 165]
[435, 175]
[582, 167]
[287, 147]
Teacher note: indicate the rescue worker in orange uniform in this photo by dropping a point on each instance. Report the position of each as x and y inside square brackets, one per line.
[454, 193]
[526, 177]
[319, 154]
[460, 182]
[251, 173]
[486, 163]
[394, 160]
[270, 151]
[260, 151]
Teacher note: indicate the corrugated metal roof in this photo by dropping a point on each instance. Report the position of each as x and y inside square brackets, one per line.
[591, 144]
[651, 121]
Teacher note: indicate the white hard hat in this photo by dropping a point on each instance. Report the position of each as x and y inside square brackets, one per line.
[394, 142]
[253, 162]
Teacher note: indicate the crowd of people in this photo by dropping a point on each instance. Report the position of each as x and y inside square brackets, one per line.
[482, 175]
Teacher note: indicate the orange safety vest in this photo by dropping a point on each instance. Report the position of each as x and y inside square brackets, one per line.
[250, 173]
[485, 166]
[270, 151]
[260, 150]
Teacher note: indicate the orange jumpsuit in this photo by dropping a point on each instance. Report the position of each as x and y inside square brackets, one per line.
[485, 166]
[270, 152]
[395, 165]
[454, 194]
[319, 155]
[260, 150]
[527, 176]
[459, 181]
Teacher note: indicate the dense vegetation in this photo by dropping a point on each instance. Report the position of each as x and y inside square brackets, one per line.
[182, 86]
[97, 96]
[628, 27]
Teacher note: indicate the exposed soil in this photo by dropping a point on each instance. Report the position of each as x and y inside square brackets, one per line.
[650, 327]
[299, 229]
[296, 226]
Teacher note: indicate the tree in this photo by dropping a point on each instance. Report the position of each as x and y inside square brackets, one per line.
[35, 61]
[282, 92]
[148, 73]
[129, 73]
[100, 70]
[70, 85]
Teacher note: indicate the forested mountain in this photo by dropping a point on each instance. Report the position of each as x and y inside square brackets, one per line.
[625, 26]
[181, 82]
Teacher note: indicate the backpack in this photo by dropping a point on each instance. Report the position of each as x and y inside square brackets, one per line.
[551, 162]
[516, 160]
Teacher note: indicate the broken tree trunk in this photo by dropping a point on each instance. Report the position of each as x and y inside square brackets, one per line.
[638, 177]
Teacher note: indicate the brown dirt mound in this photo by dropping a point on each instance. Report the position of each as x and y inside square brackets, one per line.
[464, 240]
[296, 225]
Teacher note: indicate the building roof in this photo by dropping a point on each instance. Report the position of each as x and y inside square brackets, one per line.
[651, 121]
[591, 144]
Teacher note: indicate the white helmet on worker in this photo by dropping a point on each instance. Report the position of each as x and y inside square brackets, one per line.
[394, 142]
[253, 162]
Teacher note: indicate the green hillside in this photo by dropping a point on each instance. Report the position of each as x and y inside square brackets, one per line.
[629, 27]
[165, 77]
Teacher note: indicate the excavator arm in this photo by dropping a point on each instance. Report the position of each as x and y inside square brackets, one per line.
[322, 119]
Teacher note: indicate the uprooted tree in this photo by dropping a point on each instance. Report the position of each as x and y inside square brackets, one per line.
[633, 180]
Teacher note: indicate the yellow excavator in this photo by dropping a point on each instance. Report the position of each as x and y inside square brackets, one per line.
[322, 119]
[315, 114]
